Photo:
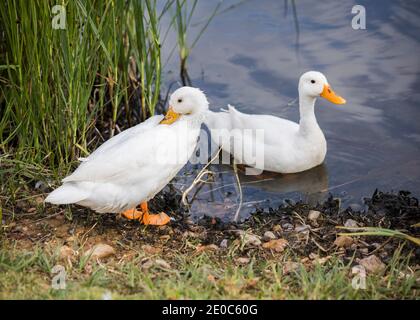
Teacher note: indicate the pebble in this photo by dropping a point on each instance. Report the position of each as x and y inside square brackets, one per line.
[162, 263]
[288, 226]
[313, 215]
[372, 264]
[268, 235]
[224, 243]
[242, 260]
[100, 251]
[350, 223]
[249, 238]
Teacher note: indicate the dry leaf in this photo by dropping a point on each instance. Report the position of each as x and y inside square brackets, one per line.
[210, 247]
[67, 253]
[151, 250]
[211, 278]
[343, 241]
[277, 228]
[277, 245]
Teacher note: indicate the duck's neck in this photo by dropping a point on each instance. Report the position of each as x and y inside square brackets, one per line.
[307, 121]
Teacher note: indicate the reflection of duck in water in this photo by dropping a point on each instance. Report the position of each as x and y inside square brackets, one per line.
[312, 184]
[220, 198]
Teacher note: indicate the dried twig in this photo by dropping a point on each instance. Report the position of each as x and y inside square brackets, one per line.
[198, 178]
[235, 170]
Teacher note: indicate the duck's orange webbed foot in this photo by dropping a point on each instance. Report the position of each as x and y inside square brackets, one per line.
[132, 214]
[159, 219]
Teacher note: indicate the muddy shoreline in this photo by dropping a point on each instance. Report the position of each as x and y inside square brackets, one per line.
[309, 232]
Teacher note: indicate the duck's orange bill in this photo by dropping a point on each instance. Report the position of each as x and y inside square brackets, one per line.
[170, 117]
[331, 96]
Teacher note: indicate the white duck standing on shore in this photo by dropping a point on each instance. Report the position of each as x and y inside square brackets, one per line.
[133, 166]
[287, 146]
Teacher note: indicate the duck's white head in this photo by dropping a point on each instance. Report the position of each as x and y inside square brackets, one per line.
[186, 101]
[314, 84]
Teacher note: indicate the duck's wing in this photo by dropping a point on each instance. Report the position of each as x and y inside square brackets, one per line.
[124, 135]
[126, 151]
[218, 120]
[275, 128]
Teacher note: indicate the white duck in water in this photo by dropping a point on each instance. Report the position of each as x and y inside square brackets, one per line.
[287, 147]
[133, 166]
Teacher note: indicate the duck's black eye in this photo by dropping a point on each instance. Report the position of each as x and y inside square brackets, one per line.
[179, 100]
[312, 81]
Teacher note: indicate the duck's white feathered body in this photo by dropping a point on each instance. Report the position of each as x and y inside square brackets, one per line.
[287, 147]
[131, 167]
[275, 144]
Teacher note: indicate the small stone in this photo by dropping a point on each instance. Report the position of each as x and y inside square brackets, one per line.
[100, 251]
[288, 226]
[242, 260]
[364, 250]
[372, 264]
[313, 215]
[376, 245]
[268, 235]
[343, 242]
[41, 185]
[224, 243]
[249, 238]
[277, 245]
[350, 223]
[147, 264]
[162, 264]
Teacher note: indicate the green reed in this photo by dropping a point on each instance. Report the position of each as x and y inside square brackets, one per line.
[64, 91]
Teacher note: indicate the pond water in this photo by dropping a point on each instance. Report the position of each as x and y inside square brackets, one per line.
[252, 56]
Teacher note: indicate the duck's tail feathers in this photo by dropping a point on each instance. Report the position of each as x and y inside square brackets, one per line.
[66, 194]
